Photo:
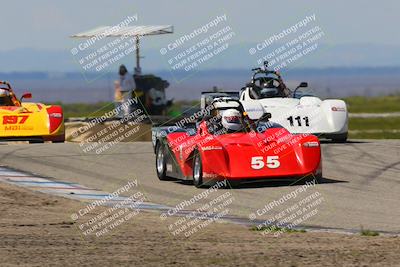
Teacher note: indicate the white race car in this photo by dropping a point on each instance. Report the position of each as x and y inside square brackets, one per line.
[297, 112]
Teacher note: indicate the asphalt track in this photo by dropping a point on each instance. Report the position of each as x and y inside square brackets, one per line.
[361, 188]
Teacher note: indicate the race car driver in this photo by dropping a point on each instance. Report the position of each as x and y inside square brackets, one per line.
[273, 88]
[5, 98]
[231, 121]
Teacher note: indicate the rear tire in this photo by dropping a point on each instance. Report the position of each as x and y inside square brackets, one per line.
[319, 178]
[60, 139]
[36, 142]
[340, 138]
[197, 170]
[161, 165]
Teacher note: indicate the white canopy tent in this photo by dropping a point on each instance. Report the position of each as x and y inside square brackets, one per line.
[134, 31]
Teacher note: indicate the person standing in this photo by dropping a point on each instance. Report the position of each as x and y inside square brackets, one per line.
[127, 85]
[118, 100]
[157, 100]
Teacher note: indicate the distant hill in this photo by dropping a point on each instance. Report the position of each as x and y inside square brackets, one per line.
[332, 71]
[235, 57]
[72, 87]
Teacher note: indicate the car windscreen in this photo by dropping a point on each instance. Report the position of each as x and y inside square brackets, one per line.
[262, 126]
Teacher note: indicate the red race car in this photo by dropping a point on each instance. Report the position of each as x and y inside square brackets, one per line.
[227, 144]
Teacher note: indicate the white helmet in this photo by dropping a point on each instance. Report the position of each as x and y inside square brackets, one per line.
[231, 120]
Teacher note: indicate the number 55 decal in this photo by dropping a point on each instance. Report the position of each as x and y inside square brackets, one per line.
[258, 163]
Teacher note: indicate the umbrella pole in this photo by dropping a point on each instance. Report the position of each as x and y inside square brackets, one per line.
[138, 71]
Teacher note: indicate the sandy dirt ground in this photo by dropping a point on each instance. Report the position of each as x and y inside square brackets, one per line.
[36, 230]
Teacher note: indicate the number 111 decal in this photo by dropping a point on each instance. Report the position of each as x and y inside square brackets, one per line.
[298, 119]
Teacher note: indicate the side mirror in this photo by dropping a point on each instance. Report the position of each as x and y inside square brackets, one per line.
[26, 95]
[303, 84]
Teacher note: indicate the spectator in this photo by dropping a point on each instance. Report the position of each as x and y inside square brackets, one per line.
[127, 85]
[118, 99]
[157, 100]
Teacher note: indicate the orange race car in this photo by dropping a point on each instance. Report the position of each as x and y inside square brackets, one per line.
[33, 122]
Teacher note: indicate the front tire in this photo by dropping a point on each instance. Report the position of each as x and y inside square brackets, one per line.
[197, 170]
[161, 164]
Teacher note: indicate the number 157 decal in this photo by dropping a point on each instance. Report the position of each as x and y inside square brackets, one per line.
[14, 119]
[272, 162]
